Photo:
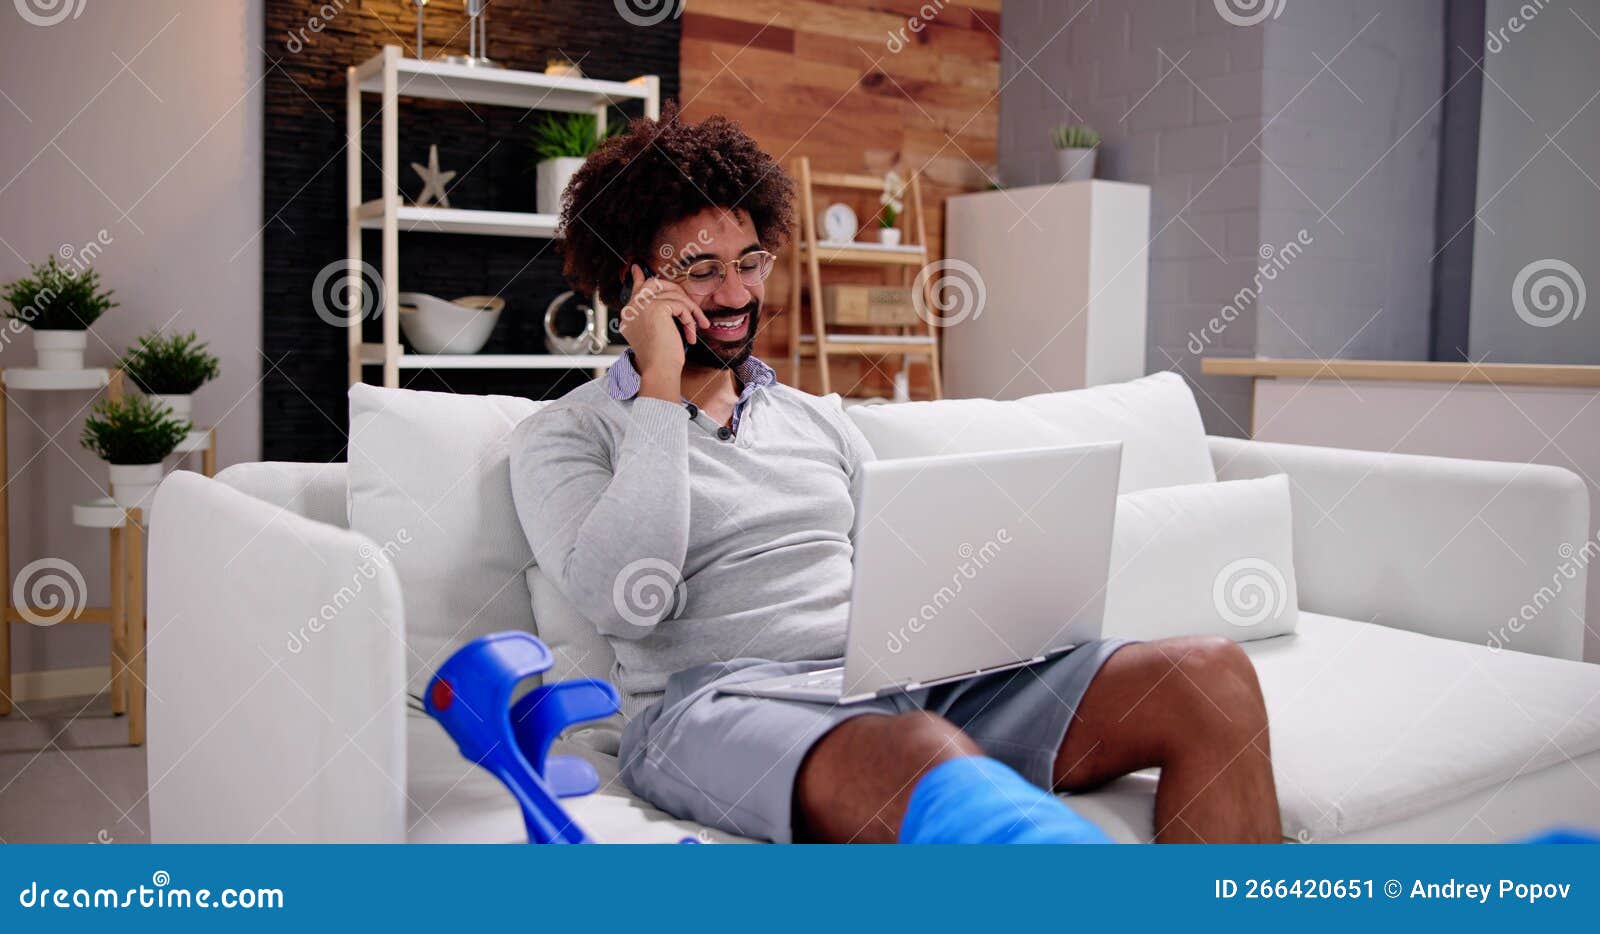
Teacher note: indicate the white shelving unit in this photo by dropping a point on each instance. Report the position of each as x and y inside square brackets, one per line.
[391, 75]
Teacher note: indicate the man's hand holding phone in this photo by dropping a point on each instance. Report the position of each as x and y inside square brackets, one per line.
[658, 321]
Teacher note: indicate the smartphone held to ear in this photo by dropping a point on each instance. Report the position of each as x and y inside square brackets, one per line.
[627, 294]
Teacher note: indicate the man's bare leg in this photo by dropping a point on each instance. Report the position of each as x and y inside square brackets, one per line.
[1192, 707]
[855, 784]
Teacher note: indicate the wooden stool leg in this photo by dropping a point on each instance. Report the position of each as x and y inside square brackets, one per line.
[134, 609]
[208, 457]
[119, 626]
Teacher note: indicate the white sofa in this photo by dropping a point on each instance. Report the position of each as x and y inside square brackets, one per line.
[1406, 707]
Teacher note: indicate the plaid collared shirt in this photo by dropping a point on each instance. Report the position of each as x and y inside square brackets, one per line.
[622, 382]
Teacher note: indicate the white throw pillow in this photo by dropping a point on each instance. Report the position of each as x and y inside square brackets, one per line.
[429, 473]
[1206, 559]
[1155, 418]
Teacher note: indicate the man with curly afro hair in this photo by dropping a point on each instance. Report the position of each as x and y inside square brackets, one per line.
[698, 514]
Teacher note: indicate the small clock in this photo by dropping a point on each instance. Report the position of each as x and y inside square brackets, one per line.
[838, 223]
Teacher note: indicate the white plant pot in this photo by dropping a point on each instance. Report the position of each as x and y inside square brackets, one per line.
[132, 484]
[553, 176]
[60, 350]
[889, 236]
[1076, 165]
[181, 406]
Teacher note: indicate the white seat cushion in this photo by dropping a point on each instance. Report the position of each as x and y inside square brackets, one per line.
[1377, 733]
[454, 801]
[1373, 725]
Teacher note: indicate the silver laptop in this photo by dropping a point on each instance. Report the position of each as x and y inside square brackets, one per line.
[968, 564]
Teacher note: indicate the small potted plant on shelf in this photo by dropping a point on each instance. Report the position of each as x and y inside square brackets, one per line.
[560, 144]
[170, 368]
[1075, 151]
[58, 304]
[134, 435]
[894, 189]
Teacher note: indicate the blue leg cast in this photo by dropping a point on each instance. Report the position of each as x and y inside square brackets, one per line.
[980, 800]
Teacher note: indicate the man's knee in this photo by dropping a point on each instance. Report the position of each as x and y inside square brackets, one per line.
[1215, 681]
[856, 780]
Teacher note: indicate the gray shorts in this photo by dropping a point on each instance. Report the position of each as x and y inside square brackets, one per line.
[730, 761]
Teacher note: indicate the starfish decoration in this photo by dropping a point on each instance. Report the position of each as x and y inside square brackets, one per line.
[433, 180]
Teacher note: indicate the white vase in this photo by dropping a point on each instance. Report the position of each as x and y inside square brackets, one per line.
[180, 405]
[889, 236]
[1076, 165]
[553, 176]
[60, 350]
[132, 484]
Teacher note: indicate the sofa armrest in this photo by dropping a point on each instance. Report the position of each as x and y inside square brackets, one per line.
[1477, 551]
[316, 491]
[276, 675]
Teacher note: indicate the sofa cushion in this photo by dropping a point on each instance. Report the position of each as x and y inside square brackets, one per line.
[1164, 442]
[429, 473]
[1203, 559]
[1155, 418]
[1372, 725]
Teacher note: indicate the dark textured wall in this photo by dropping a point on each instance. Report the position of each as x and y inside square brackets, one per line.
[303, 395]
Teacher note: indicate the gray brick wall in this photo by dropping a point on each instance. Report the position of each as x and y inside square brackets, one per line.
[1245, 140]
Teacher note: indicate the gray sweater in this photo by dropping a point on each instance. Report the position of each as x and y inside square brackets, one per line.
[685, 549]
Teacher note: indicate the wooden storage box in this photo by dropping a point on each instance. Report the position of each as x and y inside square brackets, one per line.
[868, 305]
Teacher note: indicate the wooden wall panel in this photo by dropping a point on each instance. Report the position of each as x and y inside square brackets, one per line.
[824, 79]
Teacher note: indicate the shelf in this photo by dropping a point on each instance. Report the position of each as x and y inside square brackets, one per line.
[870, 344]
[504, 87]
[1417, 371]
[461, 221]
[198, 440]
[58, 380]
[497, 361]
[867, 254]
[102, 513]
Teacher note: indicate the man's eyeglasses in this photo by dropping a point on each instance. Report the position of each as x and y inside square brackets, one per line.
[704, 276]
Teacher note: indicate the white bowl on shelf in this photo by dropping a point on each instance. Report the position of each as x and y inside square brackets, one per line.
[435, 326]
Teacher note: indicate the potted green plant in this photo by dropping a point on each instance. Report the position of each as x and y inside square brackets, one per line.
[560, 144]
[170, 368]
[894, 189]
[134, 435]
[58, 304]
[1075, 151]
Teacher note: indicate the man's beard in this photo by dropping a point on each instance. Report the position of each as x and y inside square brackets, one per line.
[726, 355]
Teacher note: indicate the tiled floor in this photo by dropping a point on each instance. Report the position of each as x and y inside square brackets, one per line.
[68, 775]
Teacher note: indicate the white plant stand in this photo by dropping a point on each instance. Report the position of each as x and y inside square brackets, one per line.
[126, 529]
[391, 75]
